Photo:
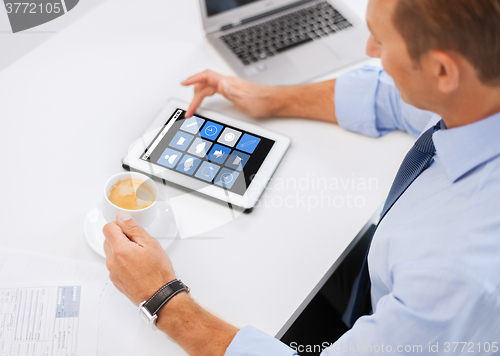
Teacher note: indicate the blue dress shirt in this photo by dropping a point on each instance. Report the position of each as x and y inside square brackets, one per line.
[435, 259]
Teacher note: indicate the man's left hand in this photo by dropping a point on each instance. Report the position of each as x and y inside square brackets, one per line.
[138, 266]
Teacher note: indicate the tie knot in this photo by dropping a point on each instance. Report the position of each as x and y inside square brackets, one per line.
[425, 144]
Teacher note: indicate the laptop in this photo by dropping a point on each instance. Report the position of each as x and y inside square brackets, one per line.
[283, 42]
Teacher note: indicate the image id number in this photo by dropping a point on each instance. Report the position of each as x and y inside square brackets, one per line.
[470, 347]
[32, 8]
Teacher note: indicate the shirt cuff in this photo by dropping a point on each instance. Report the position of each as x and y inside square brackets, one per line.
[250, 341]
[355, 94]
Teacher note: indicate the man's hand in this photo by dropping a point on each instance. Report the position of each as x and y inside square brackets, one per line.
[312, 101]
[138, 266]
[250, 98]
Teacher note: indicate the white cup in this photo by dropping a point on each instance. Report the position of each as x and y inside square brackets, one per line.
[143, 216]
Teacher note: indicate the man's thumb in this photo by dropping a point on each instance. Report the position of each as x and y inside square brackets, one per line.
[131, 228]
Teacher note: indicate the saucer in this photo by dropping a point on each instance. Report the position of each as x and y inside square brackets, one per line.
[162, 227]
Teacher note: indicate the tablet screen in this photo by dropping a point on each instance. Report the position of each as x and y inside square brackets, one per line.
[209, 151]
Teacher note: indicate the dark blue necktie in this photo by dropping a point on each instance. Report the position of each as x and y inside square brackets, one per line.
[416, 161]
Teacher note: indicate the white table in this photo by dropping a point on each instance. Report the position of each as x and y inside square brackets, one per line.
[69, 110]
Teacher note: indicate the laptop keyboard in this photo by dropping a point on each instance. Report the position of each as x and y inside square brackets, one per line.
[256, 43]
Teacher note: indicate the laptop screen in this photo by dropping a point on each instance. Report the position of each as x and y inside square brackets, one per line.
[215, 7]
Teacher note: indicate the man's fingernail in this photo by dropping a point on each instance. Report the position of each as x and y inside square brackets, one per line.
[121, 216]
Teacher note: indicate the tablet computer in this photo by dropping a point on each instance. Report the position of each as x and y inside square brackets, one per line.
[211, 153]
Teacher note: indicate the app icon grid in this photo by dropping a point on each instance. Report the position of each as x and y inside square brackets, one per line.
[208, 146]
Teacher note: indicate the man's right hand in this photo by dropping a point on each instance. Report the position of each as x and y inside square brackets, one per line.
[312, 101]
[252, 99]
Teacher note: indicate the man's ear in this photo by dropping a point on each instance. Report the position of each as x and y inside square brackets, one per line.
[445, 70]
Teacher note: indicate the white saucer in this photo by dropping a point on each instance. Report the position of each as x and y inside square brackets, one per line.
[164, 227]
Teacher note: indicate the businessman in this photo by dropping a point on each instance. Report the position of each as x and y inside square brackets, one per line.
[433, 267]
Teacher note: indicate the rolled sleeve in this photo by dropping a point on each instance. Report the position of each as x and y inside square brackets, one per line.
[250, 341]
[368, 102]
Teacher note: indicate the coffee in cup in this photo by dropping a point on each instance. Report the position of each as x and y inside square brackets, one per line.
[133, 193]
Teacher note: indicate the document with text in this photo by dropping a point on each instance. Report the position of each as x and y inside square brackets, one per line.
[39, 320]
[51, 306]
[49, 320]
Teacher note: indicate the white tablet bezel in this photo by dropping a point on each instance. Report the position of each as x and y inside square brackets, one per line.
[258, 184]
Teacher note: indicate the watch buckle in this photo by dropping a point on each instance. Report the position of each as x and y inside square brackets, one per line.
[146, 315]
[188, 290]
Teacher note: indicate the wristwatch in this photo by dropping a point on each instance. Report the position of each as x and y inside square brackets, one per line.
[148, 309]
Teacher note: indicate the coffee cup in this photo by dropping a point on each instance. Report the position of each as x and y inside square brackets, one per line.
[133, 193]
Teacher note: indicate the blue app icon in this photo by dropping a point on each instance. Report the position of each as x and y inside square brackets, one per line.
[181, 141]
[188, 164]
[237, 160]
[193, 124]
[169, 158]
[226, 178]
[211, 130]
[207, 171]
[248, 143]
[218, 154]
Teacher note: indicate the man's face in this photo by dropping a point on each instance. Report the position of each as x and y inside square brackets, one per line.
[386, 43]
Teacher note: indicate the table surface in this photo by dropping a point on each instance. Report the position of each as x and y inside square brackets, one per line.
[70, 108]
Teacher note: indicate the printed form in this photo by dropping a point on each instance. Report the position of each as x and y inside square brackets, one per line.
[49, 320]
[58, 307]
[39, 321]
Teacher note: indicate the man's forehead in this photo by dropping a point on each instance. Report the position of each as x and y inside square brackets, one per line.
[380, 7]
[379, 11]
[383, 2]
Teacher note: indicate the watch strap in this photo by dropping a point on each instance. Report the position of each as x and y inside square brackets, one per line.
[163, 295]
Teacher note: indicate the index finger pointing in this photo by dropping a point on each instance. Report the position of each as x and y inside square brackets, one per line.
[197, 99]
[197, 78]
[207, 77]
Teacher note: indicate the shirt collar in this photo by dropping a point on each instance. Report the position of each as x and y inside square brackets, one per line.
[463, 148]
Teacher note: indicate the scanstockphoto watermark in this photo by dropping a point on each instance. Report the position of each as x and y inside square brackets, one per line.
[317, 192]
[328, 347]
[430, 348]
[24, 15]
